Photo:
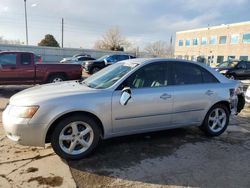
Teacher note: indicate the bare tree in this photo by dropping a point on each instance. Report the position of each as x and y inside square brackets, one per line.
[112, 40]
[159, 49]
[5, 41]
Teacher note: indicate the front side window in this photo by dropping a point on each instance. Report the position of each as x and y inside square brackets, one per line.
[180, 42]
[203, 41]
[246, 38]
[223, 39]
[195, 41]
[26, 59]
[213, 40]
[111, 59]
[235, 39]
[8, 59]
[152, 75]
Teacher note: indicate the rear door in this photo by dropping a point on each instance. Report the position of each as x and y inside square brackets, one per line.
[194, 89]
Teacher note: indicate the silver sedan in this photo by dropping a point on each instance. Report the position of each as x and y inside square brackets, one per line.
[129, 97]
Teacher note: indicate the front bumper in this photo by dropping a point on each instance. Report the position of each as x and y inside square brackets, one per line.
[19, 130]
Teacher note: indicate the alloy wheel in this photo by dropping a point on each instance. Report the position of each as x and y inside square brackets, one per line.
[76, 137]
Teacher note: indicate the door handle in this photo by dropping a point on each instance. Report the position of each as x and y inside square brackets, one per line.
[209, 92]
[165, 96]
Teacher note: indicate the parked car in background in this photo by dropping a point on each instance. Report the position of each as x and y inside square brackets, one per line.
[239, 70]
[76, 60]
[248, 95]
[96, 65]
[81, 54]
[26, 68]
[128, 97]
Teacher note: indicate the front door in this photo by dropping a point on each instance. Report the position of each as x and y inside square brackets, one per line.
[150, 106]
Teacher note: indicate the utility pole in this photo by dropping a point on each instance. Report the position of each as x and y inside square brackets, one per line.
[62, 32]
[26, 24]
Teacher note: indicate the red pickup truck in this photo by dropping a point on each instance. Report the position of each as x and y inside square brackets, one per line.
[26, 68]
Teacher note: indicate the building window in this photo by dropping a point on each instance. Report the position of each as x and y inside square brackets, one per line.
[223, 39]
[246, 38]
[234, 39]
[180, 42]
[220, 59]
[243, 58]
[203, 41]
[195, 41]
[231, 58]
[187, 43]
[213, 40]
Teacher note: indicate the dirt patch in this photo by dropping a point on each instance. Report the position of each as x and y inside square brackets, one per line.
[51, 181]
[31, 170]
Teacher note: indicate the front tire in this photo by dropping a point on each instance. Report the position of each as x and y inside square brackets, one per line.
[75, 137]
[216, 120]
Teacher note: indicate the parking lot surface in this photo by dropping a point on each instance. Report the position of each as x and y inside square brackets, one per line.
[174, 158]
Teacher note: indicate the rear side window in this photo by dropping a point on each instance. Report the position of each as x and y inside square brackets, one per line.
[186, 73]
[208, 77]
[26, 59]
[8, 59]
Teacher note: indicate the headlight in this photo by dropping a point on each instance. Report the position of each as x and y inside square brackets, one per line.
[23, 111]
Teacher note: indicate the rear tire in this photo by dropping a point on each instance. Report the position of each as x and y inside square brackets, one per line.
[216, 120]
[56, 78]
[75, 137]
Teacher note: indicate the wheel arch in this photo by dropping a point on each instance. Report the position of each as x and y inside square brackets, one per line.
[225, 103]
[56, 73]
[55, 122]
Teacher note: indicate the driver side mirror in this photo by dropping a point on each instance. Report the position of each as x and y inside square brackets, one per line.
[126, 95]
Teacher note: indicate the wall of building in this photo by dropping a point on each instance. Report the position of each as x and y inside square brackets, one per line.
[214, 50]
[51, 54]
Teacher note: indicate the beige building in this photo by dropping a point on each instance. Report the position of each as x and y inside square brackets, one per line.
[215, 44]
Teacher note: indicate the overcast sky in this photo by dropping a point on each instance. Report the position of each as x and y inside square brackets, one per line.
[140, 21]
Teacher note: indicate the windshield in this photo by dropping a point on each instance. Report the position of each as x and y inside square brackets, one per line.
[102, 58]
[108, 76]
[228, 64]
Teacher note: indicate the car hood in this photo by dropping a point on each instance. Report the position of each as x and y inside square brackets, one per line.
[38, 94]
